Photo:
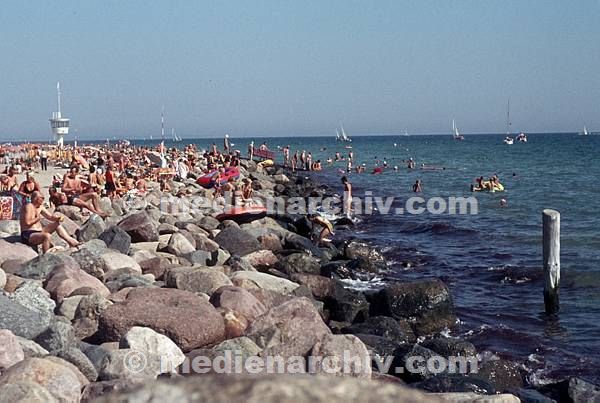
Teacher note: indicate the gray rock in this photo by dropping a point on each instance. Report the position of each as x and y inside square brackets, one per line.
[427, 304]
[20, 320]
[69, 305]
[59, 336]
[25, 391]
[179, 245]
[290, 329]
[582, 391]
[114, 261]
[299, 263]
[165, 228]
[205, 280]
[128, 364]
[208, 223]
[154, 346]
[39, 267]
[236, 241]
[90, 262]
[92, 228]
[116, 238]
[243, 346]
[81, 361]
[264, 281]
[331, 352]
[140, 227]
[201, 258]
[31, 348]
[33, 297]
[2, 279]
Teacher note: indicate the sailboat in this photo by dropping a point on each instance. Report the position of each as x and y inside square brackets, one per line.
[455, 134]
[405, 133]
[343, 136]
[585, 132]
[174, 136]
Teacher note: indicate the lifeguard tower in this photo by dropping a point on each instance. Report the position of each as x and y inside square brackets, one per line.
[58, 123]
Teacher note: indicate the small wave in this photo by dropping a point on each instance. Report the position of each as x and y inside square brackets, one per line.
[365, 285]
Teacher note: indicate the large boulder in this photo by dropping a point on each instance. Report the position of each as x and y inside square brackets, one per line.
[179, 245]
[25, 392]
[427, 304]
[92, 228]
[41, 266]
[197, 279]
[355, 249]
[187, 319]
[116, 238]
[59, 336]
[20, 320]
[114, 261]
[342, 355]
[345, 305]
[88, 313]
[140, 227]
[239, 300]
[15, 251]
[237, 241]
[11, 351]
[290, 329]
[270, 389]
[299, 263]
[62, 281]
[264, 281]
[32, 296]
[262, 259]
[59, 380]
[154, 346]
[90, 262]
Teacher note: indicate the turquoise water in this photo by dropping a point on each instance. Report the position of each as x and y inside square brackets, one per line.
[493, 260]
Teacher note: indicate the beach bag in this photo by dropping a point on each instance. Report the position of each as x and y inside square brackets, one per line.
[6, 207]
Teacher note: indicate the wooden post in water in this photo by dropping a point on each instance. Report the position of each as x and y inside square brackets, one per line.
[551, 251]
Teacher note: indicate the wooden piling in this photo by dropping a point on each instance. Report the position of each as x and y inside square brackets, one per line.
[551, 252]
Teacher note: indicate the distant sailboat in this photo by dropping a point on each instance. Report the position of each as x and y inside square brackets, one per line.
[585, 131]
[174, 136]
[343, 136]
[455, 134]
[405, 133]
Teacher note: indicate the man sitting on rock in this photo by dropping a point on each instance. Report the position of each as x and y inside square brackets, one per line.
[74, 196]
[32, 231]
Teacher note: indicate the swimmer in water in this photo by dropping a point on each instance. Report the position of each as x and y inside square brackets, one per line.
[417, 187]
[503, 203]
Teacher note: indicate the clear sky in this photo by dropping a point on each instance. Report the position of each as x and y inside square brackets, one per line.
[298, 67]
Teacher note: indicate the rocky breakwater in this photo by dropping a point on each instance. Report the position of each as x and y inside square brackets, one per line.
[157, 292]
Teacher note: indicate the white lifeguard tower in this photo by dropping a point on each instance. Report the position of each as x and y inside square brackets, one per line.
[58, 123]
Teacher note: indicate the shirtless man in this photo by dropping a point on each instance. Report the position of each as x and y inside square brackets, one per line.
[72, 189]
[32, 231]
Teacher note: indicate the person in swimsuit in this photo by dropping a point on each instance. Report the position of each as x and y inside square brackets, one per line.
[326, 227]
[32, 231]
[347, 196]
[73, 190]
[29, 186]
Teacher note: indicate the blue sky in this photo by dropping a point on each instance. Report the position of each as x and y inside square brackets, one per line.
[299, 67]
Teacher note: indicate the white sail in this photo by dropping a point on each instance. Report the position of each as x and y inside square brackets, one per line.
[585, 131]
